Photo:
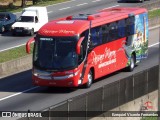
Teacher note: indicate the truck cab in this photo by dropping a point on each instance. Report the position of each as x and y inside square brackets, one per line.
[30, 21]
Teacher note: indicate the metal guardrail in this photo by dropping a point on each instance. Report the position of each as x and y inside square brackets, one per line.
[105, 98]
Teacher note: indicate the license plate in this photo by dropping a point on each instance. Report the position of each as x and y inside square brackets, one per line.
[18, 30]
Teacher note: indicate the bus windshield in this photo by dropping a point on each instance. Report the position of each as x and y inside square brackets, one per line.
[55, 53]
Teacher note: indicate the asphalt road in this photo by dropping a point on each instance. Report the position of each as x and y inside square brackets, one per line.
[72, 7]
[17, 92]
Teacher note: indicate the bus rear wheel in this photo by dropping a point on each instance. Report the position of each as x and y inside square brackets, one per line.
[89, 79]
[132, 63]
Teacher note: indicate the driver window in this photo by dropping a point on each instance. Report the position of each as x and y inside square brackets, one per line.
[83, 50]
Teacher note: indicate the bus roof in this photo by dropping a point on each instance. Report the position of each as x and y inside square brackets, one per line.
[74, 25]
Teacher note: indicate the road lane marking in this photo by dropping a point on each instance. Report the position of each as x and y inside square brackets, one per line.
[82, 4]
[61, 3]
[50, 12]
[12, 47]
[65, 8]
[154, 27]
[1, 99]
[153, 44]
[110, 7]
[53, 5]
[96, 1]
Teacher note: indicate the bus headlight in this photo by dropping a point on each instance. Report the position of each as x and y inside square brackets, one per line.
[35, 74]
[42, 74]
[66, 76]
[73, 74]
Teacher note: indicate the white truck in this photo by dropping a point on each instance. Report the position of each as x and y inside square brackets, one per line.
[30, 21]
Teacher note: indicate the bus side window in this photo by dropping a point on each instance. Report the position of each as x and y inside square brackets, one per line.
[96, 36]
[113, 31]
[130, 26]
[105, 33]
[121, 28]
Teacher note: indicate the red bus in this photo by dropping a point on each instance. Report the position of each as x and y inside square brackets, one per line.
[76, 50]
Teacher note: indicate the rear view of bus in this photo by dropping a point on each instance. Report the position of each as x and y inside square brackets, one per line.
[76, 50]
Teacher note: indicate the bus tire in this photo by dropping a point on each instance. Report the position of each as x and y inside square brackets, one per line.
[132, 63]
[89, 80]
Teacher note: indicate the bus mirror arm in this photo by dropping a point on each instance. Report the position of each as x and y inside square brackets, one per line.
[90, 48]
[78, 48]
[28, 44]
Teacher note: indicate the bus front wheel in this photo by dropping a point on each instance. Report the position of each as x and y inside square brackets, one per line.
[89, 80]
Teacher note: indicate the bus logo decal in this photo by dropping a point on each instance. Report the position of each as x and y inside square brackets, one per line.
[108, 54]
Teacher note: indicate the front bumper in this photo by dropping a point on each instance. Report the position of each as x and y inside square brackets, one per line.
[71, 82]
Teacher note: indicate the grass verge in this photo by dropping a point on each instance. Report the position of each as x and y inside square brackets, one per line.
[20, 51]
[13, 53]
[154, 13]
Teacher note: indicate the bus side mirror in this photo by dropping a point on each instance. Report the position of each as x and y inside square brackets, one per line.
[28, 45]
[78, 48]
